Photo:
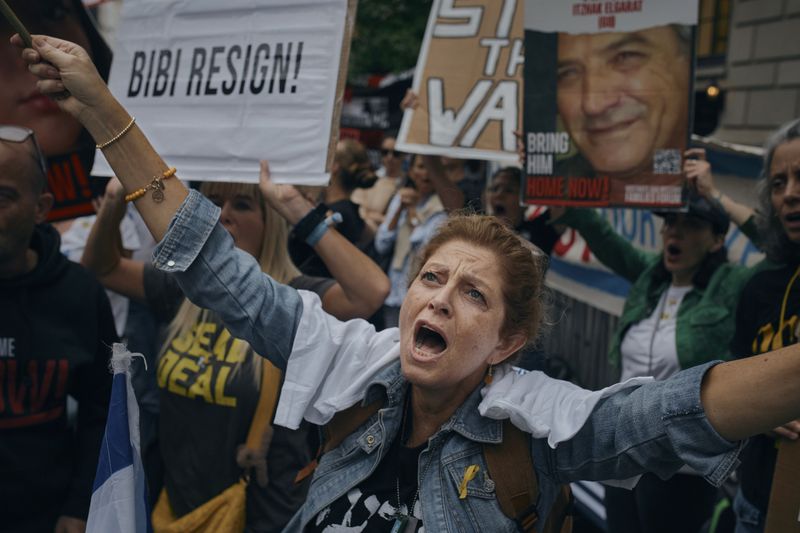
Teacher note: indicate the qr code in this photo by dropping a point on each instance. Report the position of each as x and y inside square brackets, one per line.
[667, 162]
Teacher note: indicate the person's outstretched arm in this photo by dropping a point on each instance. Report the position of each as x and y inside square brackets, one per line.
[103, 254]
[754, 395]
[361, 285]
[64, 66]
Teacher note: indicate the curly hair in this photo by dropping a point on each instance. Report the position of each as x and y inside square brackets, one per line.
[776, 243]
[522, 265]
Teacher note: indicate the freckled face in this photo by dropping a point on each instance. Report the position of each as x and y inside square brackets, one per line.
[451, 319]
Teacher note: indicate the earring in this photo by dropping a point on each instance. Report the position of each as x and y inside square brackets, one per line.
[488, 378]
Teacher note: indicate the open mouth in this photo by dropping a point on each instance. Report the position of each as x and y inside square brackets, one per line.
[793, 217]
[672, 252]
[499, 210]
[429, 342]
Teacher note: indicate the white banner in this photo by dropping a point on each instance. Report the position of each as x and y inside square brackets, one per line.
[576, 272]
[593, 16]
[217, 86]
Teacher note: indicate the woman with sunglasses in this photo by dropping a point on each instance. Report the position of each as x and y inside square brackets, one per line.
[678, 314]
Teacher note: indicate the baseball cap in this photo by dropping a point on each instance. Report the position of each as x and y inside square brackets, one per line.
[710, 211]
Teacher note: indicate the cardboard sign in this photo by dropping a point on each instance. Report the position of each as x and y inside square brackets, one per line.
[608, 93]
[783, 514]
[469, 82]
[216, 90]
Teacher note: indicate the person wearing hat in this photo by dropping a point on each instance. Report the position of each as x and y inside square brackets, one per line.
[679, 313]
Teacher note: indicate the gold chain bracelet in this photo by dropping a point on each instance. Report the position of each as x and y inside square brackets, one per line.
[118, 136]
[157, 186]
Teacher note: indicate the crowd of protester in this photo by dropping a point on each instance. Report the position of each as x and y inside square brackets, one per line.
[379, 245]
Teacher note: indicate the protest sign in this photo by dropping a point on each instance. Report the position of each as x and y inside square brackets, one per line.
[469, 82]
[72, 188]
[608, 94]
[216, 90]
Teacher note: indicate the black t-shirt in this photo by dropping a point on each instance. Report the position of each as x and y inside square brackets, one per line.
[209, 388]
[760, 328]
[372, 505]
[351, 227]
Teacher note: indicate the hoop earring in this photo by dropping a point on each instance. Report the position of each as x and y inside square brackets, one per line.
[488, 378]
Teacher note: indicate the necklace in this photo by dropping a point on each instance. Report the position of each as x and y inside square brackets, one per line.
[405, 522]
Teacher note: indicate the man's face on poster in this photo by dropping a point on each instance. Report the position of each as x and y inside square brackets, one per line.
[621, 96]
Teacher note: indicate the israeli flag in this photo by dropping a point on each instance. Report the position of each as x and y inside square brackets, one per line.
[119, 503]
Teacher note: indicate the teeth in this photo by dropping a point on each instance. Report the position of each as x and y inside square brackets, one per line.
[419, 343]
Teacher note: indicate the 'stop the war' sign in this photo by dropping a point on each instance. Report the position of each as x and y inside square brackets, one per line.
[216, 90]
[469, 82]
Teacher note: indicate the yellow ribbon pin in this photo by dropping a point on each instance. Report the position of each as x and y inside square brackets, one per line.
[469, 474]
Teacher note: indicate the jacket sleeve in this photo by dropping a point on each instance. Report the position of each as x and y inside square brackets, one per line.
[216, 275]
[607, 245]
[657, 427]
[92, 389]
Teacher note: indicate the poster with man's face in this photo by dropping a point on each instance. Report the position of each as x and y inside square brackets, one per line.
[607, 113]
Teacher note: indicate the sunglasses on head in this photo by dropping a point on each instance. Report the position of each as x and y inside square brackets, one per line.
[391, 152]
[19, 135]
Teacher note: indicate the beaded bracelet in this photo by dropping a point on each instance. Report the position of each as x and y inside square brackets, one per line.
[157, 185]
[118, 136]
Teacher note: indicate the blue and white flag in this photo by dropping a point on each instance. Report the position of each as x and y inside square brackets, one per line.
[119, 502]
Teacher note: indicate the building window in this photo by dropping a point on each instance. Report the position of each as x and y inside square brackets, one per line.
[712, 28]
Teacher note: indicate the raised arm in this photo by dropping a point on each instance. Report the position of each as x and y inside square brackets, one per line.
[607, 245]
[61, 66]
[361, 285]
[698, 173]
[103, 252]
[192, 244]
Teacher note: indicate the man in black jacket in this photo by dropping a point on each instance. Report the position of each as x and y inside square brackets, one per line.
[56, 330]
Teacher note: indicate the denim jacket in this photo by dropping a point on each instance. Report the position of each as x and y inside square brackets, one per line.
[655, 427]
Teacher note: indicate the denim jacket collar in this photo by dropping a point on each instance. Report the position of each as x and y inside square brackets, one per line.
[390, 386]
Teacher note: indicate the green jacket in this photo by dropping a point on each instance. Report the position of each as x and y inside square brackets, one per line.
[706, 317]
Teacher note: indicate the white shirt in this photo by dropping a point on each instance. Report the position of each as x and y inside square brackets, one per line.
[649, 348]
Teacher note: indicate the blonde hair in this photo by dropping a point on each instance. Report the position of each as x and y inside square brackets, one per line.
[273, 257]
